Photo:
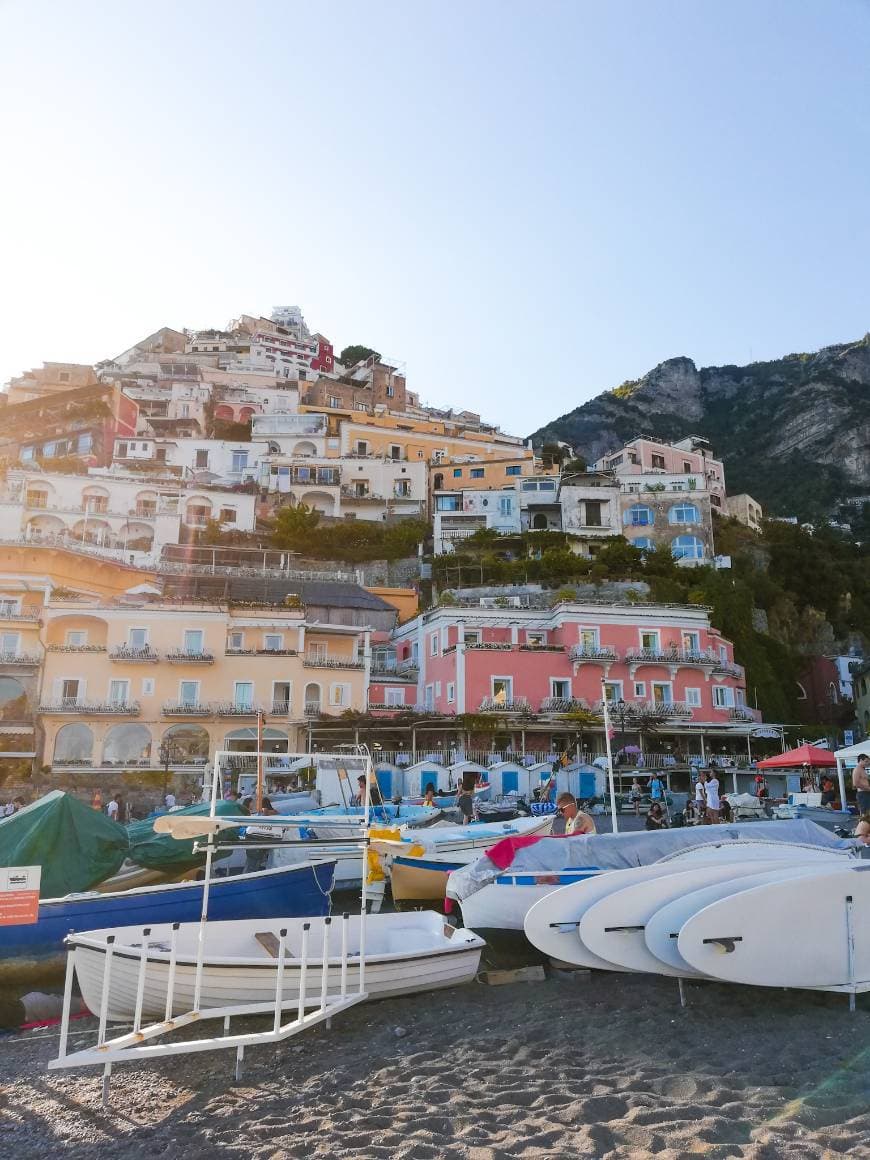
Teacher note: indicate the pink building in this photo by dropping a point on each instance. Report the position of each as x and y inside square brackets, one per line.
[691, 456]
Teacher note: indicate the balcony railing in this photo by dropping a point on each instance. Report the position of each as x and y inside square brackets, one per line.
[727, 669]
[379, 706]
[280, 709]
[314, 660]
[564, 705]
[30, 612]
[312, 708]
[495, 645]
[19, 659]
[742, 713]
[190, 657]
[232, 709]
[671, 656]
[129, 655]
[186, 709]
[496, 705]
[580, 652]
[75, 648]
[93, 708]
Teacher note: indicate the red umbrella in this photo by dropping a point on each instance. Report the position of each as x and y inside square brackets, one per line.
[805, 755]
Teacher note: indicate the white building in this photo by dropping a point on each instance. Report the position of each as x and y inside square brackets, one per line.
[459, 514]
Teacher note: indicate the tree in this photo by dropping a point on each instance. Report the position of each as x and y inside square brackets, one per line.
[355, 353]
[577, 464]
[293, 527]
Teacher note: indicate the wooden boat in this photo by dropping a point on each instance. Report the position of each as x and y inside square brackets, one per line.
[292, 890]
[404, 954]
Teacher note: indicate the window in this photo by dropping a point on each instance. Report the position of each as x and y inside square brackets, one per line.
[228, 515]
[334, 401]
[390, 392]
[502, 689]
[643, 544]
[69, 692]
[451, 692]
[119, 692]
[589, 639]
[457, 473]
[723, 654]
[9, 642]
[361, 407]
[514, 469]
[639, 516]
[593, 513]
[137, 638]
[650, 641]
[362, 448]
[63, 376]
[658, 461]
[740, 698]
[121, 451]
[188, 692]
[77, 638]
[476, 473]
[240, 460]
[433, 645]
[395, 452]
[560, 688]
[185, 410]
[339, 696]
[686, 465]
[273, 642]
[193, 640]
[394, 696]
[693, 698]
[448, 503]
[9, 606]
[402, 487]
[687, 548]
[429, 697]
[691, 641]
[201, 458]
[536, 639]
[723, 697]
[318, 650]
[613, 691]
[471, 635]
[662, 694]
[505, 505]
[236, 641]
[684, 513]
[243, 694]
[640, 688]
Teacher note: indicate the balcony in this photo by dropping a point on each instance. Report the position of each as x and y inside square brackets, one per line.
[496, 705]
[671, 656]
[190, 657]
[487, 645]
[134, 656]
[564, 705]
[740, 713]
[312, 709]
[75, 648]
[31, 612]
[728, 669]
[22, 659]
[315, 661]
[185, 709]
[280, 709]
[92, 708]
[581, 652]
[231, 709]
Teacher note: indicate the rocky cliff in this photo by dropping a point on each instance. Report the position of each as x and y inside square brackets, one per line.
[794, 433]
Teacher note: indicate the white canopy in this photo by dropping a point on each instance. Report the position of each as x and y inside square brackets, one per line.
[851, 753]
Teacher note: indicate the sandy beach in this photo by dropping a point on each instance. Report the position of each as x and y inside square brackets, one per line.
[605, 1066]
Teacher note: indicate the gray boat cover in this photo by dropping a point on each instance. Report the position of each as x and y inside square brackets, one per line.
[624, 851]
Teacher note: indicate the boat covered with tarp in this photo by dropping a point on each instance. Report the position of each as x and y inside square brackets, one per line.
[76, 846]
[173, 855]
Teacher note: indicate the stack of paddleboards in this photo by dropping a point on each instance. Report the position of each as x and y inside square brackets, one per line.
[789, 919]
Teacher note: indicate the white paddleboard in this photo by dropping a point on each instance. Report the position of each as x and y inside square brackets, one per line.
[615, 927]
[551, 924]
[663, 927]
[791, 932]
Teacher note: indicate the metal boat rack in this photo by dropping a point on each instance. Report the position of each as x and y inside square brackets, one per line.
[314, 1003]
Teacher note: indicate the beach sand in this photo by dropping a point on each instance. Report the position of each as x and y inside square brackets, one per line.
[605, 1066]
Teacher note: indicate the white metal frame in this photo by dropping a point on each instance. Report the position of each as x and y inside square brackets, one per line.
[314, 1004]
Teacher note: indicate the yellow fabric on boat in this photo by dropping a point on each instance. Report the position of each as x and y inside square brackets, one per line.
[390, 833]
[416, 850]
[375, 867]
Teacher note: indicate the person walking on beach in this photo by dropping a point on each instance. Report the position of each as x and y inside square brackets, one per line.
[112, 808]
[701, 797]
[169, 800]
[861, 782]
[711, 788]
[656, 789]
[576, 821]
[634, 796]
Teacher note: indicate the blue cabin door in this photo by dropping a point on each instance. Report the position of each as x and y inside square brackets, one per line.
[510, 781]
[586, 788]
[384, 779]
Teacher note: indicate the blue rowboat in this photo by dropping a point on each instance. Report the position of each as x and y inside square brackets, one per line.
[292, 891]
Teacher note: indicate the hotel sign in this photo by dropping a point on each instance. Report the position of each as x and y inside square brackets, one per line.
[19, 895]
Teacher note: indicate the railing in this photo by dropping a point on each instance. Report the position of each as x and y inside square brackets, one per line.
[184, 657]
[276, 652]
[97, 708]
[671, 656]
[280, 709]
[29, 613]
[312, 708]
[541, 647]
[378, 706]
[186, 709]
[742, 713]
[495, 705]
[564, 705]
[459, 533]
[580, 652]
[19, 659]
[75, 648]
[315, 661]
[231, 709]
[726, 668]
[486, 645]
[133, 655]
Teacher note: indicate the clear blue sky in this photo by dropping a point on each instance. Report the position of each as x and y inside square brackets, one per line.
[525, 202]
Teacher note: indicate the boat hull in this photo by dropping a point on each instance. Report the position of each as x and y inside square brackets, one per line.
[299, 890]
[430, 964]
[419, 879]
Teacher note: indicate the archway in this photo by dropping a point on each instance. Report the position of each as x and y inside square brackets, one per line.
[13, 700]
[245, 740]
[319, 501]
[539, 523]
[44, 528]
[74, 743]
[313, 698]
[224, 412]
[305, 448]
[187, 744]
[127, 743]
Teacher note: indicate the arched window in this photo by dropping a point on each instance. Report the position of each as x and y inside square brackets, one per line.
[126, 743]
[13, 700]
[438, 481]
[312, 697]
[687, 548]
[539, 523]
[643, 543]
[684, 513]
[639, 516]
[74, 743]
[184, 745]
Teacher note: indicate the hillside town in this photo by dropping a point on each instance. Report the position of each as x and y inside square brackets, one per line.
[149, 621]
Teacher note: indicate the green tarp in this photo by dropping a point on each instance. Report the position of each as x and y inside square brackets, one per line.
[163, 852]
[76, 845]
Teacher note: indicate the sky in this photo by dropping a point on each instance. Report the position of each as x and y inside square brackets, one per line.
[523, 203]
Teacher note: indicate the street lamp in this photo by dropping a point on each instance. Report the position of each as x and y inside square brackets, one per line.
[620, 710]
